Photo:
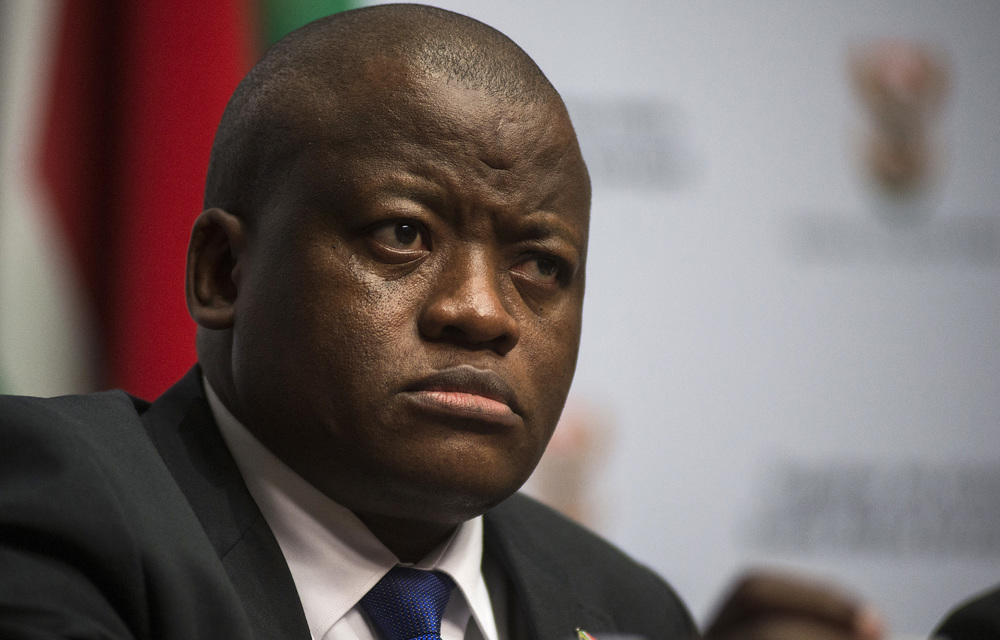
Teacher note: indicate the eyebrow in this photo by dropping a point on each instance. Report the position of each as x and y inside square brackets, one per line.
[538, 223]
[407, 184]
[530, 227]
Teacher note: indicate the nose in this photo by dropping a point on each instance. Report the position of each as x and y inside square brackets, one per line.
[466, 306]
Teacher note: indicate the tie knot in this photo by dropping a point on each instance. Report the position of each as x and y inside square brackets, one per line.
[407, 604]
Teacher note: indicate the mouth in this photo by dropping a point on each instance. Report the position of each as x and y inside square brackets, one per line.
[467, 392]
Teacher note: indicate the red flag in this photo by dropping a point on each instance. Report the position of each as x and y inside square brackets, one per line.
[138, 90]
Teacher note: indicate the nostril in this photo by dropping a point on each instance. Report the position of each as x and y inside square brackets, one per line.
[501, 343]
[451, 332]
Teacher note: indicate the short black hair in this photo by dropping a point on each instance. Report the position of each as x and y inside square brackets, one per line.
[324, 58]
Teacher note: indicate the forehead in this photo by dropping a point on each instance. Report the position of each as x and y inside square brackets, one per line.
[395, 126]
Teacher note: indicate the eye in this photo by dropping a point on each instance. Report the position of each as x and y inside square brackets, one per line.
[398, 240]
[544, 269]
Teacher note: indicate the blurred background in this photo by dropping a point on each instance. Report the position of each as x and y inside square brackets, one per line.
[791, 351]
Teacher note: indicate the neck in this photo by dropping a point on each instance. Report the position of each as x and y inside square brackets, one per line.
[409, 540]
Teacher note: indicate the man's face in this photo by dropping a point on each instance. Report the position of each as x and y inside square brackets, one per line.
[409, 305]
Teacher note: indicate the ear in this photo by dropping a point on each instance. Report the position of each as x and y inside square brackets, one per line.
[214, 258]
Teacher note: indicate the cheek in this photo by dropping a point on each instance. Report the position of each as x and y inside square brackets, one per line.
[551, 348]
[358, 327]
[316, 324]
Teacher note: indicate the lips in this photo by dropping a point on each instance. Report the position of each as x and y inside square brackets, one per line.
[468, 392]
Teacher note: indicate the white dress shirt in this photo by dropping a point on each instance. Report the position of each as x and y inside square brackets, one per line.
[334, 559]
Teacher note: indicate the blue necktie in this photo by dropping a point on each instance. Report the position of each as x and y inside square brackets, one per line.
[407, 604]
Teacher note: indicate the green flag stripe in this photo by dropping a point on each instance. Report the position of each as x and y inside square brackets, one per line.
[279, 17]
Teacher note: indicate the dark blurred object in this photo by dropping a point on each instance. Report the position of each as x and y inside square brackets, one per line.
[977, 619]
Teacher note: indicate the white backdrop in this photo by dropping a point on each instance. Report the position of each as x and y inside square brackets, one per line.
[797, 375]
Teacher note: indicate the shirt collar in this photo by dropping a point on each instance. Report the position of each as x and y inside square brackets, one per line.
[315, 534]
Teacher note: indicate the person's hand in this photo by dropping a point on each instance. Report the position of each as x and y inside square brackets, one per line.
[769, 606]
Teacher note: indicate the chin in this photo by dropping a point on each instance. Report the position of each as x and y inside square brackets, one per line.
[450, 500]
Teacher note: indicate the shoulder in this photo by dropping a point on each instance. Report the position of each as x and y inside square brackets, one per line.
[75, 418]
[95, 535]
[64, 511]
[67, 410]
[82, 465]
[68, 434]
[600, 573]
[977, 619]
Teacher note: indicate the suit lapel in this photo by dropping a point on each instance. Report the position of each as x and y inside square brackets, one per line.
[181, 426]
[542, 601]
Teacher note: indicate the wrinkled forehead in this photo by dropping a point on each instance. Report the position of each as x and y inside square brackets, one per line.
[390, 105]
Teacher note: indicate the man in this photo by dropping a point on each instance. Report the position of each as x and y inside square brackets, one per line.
[388, 282]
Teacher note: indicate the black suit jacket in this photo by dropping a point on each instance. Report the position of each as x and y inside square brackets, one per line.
[121, 519]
